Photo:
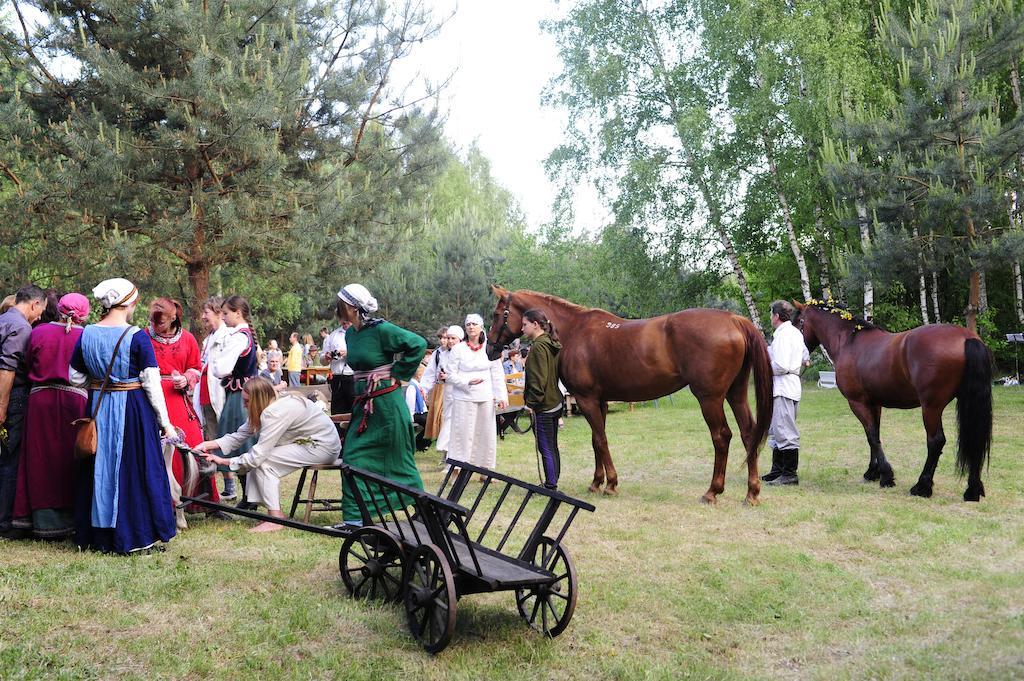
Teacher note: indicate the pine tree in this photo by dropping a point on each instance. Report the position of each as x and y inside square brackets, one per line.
[944, 145]
[244, 136]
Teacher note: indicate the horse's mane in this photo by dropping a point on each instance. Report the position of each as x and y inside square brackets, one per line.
[831, 307]
[562, 302]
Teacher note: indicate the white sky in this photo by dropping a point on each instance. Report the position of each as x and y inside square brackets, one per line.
[501, 61]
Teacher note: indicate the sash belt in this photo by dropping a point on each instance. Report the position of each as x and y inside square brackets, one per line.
[59, 386]
[374, 377]
[115, 387]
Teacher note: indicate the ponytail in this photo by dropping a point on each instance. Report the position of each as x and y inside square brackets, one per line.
[537, 316]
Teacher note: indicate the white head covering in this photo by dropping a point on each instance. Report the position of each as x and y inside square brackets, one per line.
[474, 319]
[115, 292]
[456, 330]
[359, 297]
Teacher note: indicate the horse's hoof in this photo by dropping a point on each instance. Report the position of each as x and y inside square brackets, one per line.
[752, 501]
[872, 474]
[709, 499]
[594, 489]
[920, 490]
[974, 494]
[887, 481]
[611, 490]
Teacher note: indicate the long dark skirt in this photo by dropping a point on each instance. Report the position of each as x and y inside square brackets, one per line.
[145, 513]
[46, 478]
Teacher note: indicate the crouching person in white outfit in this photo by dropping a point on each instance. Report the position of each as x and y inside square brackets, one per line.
[293, 432]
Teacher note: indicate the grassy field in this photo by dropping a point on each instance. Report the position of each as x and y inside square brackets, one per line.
[835, 579]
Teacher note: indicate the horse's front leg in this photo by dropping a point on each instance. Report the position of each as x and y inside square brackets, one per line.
[870, 416]
[714, 415]
[936, 439]
[595, 415]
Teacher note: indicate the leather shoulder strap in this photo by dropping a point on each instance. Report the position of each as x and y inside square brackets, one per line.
[110, 367]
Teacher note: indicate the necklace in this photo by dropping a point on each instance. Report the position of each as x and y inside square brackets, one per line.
[165, 340]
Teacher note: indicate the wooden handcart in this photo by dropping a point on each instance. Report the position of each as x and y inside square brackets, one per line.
[429, 550]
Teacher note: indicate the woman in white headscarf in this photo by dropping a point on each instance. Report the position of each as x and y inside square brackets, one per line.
[455, 337]
[380, 437]
[124, 500]
[477, 384]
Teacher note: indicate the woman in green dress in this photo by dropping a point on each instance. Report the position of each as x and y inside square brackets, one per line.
[380, 437]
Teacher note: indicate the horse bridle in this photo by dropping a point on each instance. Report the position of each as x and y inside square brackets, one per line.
[501, 341]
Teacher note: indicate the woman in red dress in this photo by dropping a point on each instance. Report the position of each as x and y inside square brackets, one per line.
[177, 354]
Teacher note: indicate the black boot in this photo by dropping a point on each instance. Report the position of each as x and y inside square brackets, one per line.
[790, 463]
[776, 470]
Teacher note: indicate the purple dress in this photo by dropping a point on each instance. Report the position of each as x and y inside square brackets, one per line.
[45, 499]
[124, 500]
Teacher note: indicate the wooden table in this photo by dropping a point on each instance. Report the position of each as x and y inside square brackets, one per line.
[316, 371]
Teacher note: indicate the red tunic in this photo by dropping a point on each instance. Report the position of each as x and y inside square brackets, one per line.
[179, 354]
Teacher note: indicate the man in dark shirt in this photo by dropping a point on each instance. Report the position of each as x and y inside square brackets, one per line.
[15, 327]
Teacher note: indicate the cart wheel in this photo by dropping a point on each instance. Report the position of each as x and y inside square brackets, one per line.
[430, 598]
[371, 564]
[549, 607]
[522, 422]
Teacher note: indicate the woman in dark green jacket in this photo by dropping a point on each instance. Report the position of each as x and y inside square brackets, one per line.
[542, 395]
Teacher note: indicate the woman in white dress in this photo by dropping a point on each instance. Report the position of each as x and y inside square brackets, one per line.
[477, 384]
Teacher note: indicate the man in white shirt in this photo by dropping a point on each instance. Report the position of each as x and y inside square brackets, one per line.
[787, 353]
[342, 383]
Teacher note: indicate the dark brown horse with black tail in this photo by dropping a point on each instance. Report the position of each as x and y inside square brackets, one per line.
[925, 367]
[605, 358]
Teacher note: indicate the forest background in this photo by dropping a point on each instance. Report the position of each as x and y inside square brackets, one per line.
[749, 150]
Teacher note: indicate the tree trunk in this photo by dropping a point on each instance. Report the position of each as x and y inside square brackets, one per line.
[982, 294]
[824, 274]
[1018, 290]
[741, 279]
[865, 244]
[787, 216]
[199, 281]
[935, 296]
[974, 295]
[922, 285]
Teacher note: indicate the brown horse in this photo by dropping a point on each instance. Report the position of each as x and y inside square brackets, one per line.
[605, 357]
[925, 367]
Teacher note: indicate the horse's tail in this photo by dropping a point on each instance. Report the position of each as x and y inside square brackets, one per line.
[191, 473]
[757, 359]
[974, 409]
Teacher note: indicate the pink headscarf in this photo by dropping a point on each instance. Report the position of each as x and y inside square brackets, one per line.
[74, 307]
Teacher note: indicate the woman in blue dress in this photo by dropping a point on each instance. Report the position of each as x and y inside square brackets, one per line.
[124, 500]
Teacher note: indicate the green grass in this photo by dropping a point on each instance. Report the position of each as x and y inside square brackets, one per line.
[835, 579]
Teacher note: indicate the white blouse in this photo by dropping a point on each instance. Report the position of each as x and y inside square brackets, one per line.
[465, 365]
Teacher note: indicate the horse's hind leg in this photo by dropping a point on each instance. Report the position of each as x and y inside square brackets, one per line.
[936, 439]
[737, 398]
[870, 416]
[595, 412]
[713, 409]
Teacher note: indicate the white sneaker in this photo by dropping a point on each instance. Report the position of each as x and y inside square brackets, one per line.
[228, 497]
